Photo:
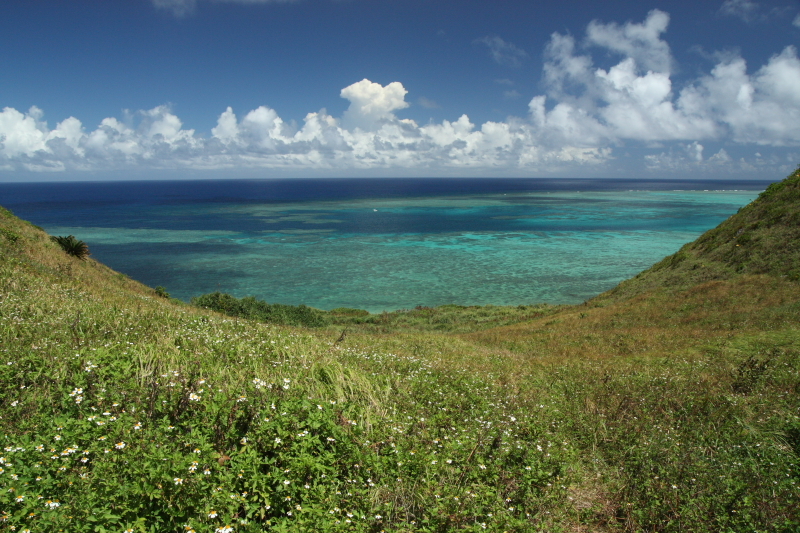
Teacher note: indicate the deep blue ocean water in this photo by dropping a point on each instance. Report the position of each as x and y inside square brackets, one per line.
[382, 244]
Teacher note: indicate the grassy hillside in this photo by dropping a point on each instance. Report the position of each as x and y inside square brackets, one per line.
[669, 404]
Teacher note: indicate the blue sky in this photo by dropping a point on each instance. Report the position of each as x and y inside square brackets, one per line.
[259, 88]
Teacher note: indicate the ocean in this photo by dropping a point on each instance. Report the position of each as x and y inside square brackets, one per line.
[382, 244]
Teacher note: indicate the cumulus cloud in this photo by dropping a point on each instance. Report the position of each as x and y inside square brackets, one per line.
[371, 103]
[635, 99]
[369, 135]
[640, 42]
[586, 114]
[502, 52]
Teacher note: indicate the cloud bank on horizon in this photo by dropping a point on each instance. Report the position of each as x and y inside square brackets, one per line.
[582, 118]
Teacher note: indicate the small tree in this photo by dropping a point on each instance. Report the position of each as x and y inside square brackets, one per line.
[72, 246]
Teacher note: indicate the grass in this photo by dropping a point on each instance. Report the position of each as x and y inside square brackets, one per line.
[669, 404]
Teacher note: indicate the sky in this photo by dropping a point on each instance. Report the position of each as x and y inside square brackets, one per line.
[166, 89]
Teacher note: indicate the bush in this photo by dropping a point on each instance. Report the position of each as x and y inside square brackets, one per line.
[162, 292]
[255, 309]
[72, 246]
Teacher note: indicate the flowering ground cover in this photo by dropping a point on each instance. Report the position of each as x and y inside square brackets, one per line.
[665, 410]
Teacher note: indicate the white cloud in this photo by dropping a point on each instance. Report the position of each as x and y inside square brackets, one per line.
[635, 100]
[749, 11]
[743, 9]
[370, 103]
[502, 52]
[182, 8]
[427, 103]
[179, 8]
[640, 42]
[586, 114]
[796, 21]
[762, 108]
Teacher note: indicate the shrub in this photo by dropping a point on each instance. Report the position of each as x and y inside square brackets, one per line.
[162, 292]
[72, 246]
[255, 309]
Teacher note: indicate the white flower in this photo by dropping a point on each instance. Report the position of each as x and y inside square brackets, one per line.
[120, 445]
[178, 481]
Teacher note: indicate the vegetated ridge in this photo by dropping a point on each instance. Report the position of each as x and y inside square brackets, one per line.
[671, 403]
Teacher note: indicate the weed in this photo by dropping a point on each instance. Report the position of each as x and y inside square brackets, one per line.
[72, 246]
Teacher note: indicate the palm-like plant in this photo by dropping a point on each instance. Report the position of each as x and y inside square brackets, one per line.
[72, 246]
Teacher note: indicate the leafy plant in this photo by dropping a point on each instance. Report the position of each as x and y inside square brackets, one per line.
[162, 292]
[255, 309]
[72, 246]
[9, 235]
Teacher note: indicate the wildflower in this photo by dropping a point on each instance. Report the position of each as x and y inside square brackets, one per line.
[194, 397]
[20, 498]
[57, 437]
[137, 426]
[212, 514]
[286, 481]
[120, 445]
[178, 481]
[244, 440]
[482, 467]
[52, 504]
[224, 529]
[206, 472]
[241, 399]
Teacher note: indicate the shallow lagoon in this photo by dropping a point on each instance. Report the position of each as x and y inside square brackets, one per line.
[383, 244]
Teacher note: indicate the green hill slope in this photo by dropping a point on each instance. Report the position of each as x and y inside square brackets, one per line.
[669, 404]
[762, 238]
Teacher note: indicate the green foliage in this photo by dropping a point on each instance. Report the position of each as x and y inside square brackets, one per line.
[162, 292]
[72, 246]
[254, 309]
[9, 235]
[120, 412]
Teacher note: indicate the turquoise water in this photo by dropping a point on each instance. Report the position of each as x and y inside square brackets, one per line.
[520, 247]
